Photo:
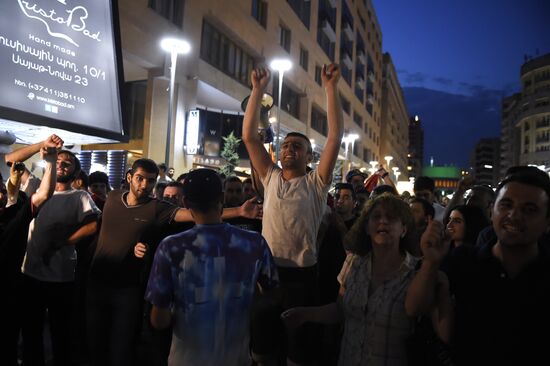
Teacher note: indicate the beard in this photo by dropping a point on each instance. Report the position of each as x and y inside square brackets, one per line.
[65, 178]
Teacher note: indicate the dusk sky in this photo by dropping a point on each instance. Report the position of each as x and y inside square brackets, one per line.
[456, 60]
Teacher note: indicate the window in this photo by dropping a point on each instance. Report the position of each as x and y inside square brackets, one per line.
[169, 9]
[259, 12]
[133, 103]
[284, 37]
[345, 104]
[290, 98]
[222, 53]
[318, 78]
[319, 120]
[302, 8]
[304, 56]
[358, 119]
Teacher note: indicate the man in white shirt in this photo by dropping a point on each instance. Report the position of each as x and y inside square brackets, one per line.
[294, 200]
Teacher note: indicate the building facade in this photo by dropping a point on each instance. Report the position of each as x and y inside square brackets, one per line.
[525, 132]
[395, 119]
[486, 161]
[416, 147]
[227, 42]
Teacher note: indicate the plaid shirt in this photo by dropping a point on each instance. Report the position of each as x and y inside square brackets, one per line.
[376, 325]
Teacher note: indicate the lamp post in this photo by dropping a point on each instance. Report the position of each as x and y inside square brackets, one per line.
[174, 46]
[395, 171]
[388, 159]
[373, 164]
[280, 65]
[349, 139]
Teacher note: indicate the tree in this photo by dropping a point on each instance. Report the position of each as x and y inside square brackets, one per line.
[229, 153]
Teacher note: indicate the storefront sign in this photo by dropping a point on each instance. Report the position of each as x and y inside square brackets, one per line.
[61, 65]
[192, 132]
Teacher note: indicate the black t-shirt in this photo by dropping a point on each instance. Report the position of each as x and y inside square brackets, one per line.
[122, 227]
[499, 320]
[13, 242]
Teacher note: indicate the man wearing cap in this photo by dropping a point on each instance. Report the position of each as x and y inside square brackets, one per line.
[117, 275]
[295, 200]
[208, 276]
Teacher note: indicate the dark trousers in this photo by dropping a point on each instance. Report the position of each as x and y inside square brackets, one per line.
[58, 299]
[10, 306]
[113, 321]
[299, 288]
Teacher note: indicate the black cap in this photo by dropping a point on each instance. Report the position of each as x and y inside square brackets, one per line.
[202, 185]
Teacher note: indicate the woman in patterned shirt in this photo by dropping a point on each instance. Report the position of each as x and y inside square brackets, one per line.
[377, 311]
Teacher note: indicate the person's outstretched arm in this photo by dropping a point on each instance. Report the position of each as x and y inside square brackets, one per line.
[47, 185]
[26, 152]
[259, 157]
[335, 119]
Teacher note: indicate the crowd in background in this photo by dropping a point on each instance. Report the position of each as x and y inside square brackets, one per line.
[284, 268]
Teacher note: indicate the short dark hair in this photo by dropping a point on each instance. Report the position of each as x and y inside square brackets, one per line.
[298, 134]
[100, 177]
[146, 164]
[383, 188]
[530, 176]
[162, 167]
[427, 206]
[424, 183]
[247, 180]
[348, 186]
[230, 179]
[77, 166]
[203, 190]
[175, 184]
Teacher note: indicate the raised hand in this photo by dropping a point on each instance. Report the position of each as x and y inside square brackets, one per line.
[251, 209]
[53, 141]
[330, 75]
[434, 248]
[260, 78]
[140, 249]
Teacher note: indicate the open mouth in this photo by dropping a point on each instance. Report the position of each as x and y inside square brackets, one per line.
[512, 228]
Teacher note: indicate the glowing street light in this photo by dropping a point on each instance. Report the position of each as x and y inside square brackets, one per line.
[281, 65]
[388, 159]
[175, 47]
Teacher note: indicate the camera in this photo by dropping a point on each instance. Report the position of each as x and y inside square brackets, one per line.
[19, 166]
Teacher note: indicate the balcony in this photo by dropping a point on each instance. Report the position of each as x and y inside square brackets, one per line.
[370, 98]
[346, 60]
[371, 75]
[361, 57]
[328, 30]
[348, 31]
[360, 82]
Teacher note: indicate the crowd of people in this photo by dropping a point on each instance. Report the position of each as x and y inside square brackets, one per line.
[287, 268]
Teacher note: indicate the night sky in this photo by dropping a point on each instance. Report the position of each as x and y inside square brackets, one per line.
[456, 60]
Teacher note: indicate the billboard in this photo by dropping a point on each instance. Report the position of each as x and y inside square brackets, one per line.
[61, 65]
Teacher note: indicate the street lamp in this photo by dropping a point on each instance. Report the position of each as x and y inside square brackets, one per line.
[388, 159]
[395, 171]
[349, 139]
[373, 164]
[175, 47]
[280, 65]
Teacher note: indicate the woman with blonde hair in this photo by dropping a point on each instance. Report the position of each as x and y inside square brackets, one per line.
[375, 305]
